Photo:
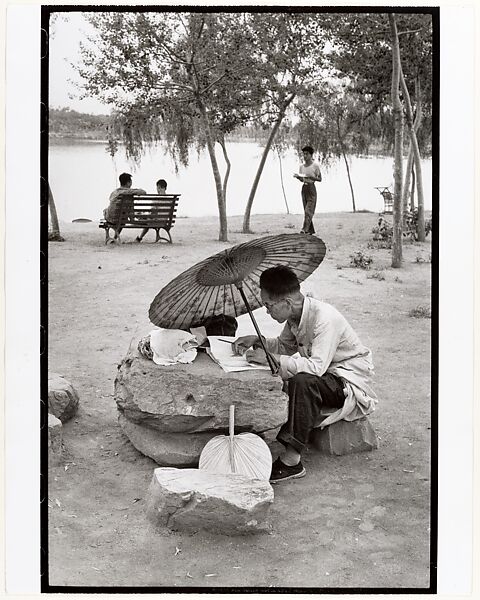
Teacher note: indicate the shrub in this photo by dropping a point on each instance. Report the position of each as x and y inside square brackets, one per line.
[383, 231]
[360, 260]
[421, 312]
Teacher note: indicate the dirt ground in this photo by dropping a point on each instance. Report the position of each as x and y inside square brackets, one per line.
[354, 521]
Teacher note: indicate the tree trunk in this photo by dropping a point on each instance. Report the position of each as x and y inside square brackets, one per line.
[271, 137]
[412, 191]
[281, 179]
[416, 159]
[398, 147]
[408, 176]
[340, 139]
[54, 235]
[410, 172]
[223, 234]
[229, 166]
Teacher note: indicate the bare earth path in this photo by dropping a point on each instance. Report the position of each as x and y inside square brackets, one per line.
[353, 521]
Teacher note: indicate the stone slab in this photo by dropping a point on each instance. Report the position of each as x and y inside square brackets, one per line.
[63, 399]
[172, 449]
[345, 437]
[193, 500]
[195, 398]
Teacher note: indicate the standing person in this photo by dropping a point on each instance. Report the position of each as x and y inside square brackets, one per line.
[320, 358]
[110, 213]
[309, 172]
[161, 191]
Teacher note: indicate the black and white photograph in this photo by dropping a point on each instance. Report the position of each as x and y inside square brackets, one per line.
[239, 216]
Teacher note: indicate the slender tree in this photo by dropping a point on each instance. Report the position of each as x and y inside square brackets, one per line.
[398, 147]
[54, 235]
[338, 124]
[177, 77]
[288, 49]
[416, 159]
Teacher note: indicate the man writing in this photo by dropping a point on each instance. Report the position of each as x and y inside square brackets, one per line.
[309, 173]
[321, 359]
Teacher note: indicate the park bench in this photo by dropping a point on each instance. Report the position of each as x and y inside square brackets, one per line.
[142, 211]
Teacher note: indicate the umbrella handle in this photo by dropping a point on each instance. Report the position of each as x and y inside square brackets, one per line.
[231, 431]
[272, 363]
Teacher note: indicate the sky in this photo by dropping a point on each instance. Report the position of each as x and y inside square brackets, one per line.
[66, 33]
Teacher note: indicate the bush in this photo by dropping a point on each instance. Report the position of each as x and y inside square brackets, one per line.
[383, 231]
[360, 260]
[421, 312]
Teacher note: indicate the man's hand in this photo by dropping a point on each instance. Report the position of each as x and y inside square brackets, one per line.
[242, 344]
[257, 356]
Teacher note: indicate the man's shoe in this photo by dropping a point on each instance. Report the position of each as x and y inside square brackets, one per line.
[282, 472]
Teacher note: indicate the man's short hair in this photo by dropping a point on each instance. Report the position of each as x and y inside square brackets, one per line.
[308, 149]
[125, 178]
[162, 183]
[279, 281]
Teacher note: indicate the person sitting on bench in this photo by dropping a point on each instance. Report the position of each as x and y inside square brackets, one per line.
[161, 191]
[110, 213]
[320, 358]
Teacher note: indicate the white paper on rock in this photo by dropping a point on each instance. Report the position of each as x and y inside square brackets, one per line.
[171, 346]
[221, 352]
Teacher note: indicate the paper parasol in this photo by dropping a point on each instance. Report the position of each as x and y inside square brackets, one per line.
[228, 282]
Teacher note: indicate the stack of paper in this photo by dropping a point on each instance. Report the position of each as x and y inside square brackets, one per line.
[221, 352]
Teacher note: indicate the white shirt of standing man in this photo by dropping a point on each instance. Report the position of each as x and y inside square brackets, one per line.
[309, 171]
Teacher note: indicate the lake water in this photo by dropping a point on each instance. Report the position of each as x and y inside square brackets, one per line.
[82, 175]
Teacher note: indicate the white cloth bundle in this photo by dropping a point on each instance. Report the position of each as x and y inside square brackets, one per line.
[171, 346]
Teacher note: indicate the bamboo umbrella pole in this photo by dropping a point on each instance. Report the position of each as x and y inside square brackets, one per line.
[272, 363]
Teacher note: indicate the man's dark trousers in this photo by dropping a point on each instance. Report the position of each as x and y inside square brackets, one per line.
[309, 199]
[307, 395]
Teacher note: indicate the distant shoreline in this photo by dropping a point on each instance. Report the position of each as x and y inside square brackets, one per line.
[55, 139]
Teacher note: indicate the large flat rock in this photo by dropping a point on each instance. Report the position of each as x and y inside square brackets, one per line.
[196, 397]
[190, 500]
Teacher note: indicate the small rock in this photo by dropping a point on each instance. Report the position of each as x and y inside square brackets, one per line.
[345, 437]
[62, 397]
[55, 447]
[189, 500]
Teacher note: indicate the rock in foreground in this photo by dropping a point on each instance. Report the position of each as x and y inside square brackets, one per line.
[62, 397]
[190, 500]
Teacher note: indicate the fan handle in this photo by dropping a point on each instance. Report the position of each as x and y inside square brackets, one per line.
[231, 431]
